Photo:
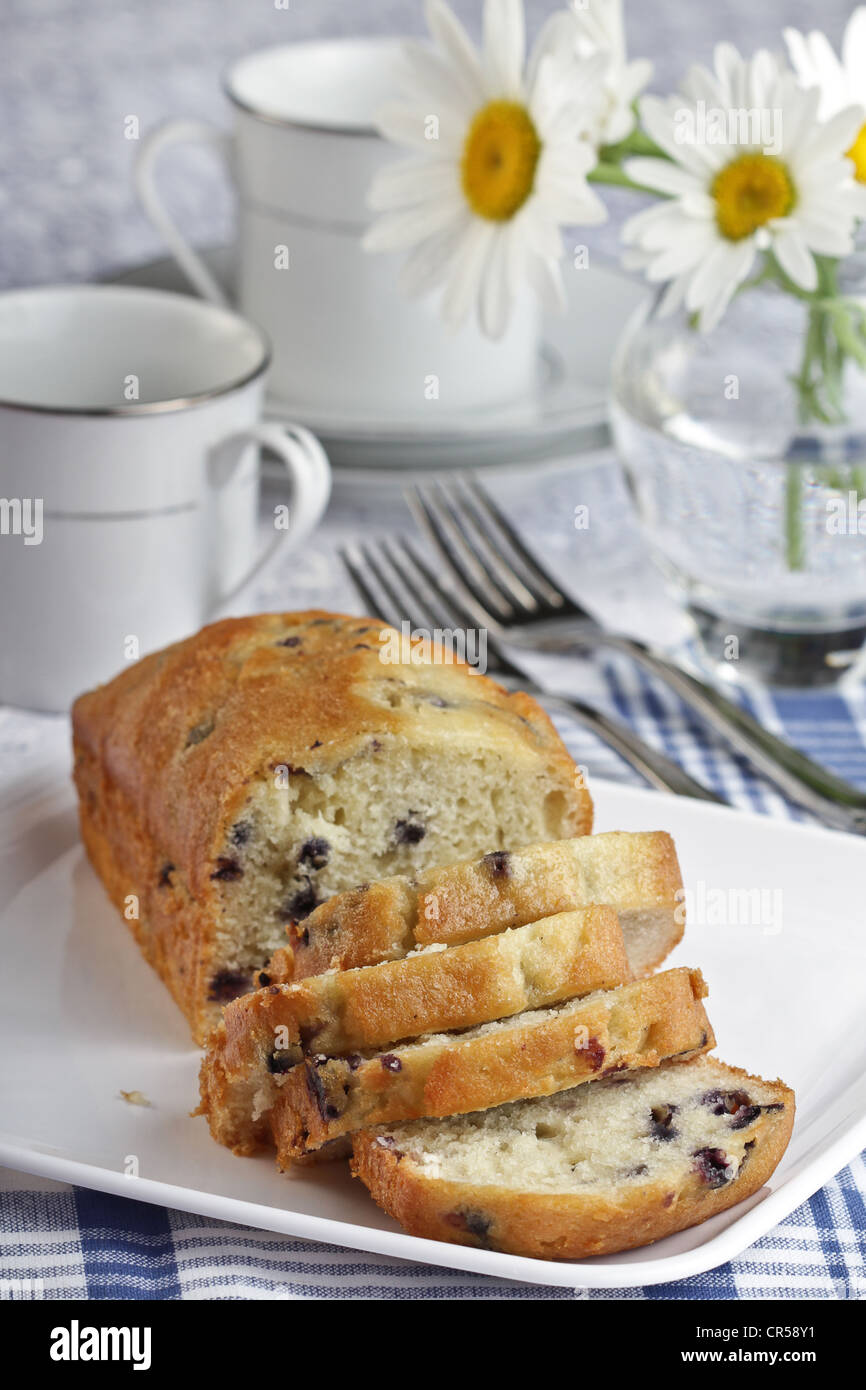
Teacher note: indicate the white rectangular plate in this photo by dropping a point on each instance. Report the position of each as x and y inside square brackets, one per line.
[83, 1018]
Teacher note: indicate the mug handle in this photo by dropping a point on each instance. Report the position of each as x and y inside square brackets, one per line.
[308, 468]
[144, 175]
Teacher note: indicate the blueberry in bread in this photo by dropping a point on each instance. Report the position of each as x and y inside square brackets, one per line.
[590, 1171]
[636, 873]
[530, 1054]
[232, 782]
[266, 1033]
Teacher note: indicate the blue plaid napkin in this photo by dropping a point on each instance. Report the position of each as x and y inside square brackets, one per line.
[62, 1242]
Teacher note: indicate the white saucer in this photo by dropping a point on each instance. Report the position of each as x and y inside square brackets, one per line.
[566, 412]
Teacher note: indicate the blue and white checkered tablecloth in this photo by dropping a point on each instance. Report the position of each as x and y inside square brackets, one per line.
[77, 1243]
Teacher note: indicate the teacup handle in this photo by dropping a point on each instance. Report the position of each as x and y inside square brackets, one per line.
[308, 468]
[179, 133]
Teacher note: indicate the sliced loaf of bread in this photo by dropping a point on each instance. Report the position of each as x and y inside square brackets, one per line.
[531, 1054]
[439, 988]
[636, 873]
[233, 781]
[596, 1169]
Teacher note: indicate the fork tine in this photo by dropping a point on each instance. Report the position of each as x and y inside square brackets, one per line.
[409, 603]
[410, 596]
[449, 607]
[462, 567]
[373, 603]
[533, 571]
[442, 612]
[376, 563]
[484, 547]
[448, 613]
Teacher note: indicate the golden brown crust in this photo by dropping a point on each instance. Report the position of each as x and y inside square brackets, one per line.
[459, 987]
[165, 753]
[562, 1225]
[229, 1101]
[636, 873]
[638, 1025]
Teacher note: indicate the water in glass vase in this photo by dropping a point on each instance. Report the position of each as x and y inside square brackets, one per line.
[754, 509]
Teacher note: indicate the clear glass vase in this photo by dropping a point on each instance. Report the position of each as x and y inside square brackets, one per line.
[755, 513]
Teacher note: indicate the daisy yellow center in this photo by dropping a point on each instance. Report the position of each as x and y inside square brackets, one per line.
[751, 190]
[857, 153]
[500, 157]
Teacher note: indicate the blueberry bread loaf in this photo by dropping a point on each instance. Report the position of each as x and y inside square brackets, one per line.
[638, 874]
[533, 1054]
[264, 1034]
[600, 1168]
[232, 782]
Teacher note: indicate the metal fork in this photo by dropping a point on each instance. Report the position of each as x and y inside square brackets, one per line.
[394, 582]
[505, 589]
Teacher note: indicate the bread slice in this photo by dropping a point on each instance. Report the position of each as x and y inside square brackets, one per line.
[589, 1171]
[636, 873]
[266, 1033]
[532, 1054]
[233, 781]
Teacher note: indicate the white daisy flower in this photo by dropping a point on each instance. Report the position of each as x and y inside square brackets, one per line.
[841, 81]
[498, 164]
[601, 29]
[749, 169]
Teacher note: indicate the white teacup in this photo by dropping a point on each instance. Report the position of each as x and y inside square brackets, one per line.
[129, 478]
[302, 157]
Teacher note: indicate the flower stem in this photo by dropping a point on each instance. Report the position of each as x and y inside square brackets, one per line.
[636, 143]
[795, 548]
[834, 329]
[610, 173]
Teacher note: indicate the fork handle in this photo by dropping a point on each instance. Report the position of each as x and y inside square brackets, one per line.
[655, 767]
[828, 797]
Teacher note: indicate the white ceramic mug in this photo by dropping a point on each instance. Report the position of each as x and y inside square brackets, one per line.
[302, 157]
[129, 478]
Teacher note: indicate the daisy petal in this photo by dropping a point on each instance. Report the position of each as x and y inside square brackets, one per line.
[719, 271]
[854, 43]
[731, 74]
[408, 182]
[426, 265]
[817, 66]
[504, 47]
[495, 302]
[409, 126]
[447, 30]
[432, 80]
[394, 231]
[837, 135]
[682, 256]
[463, 284]
[661, 175]
[673, 297]
[560, 184]
[700, 84]
[640, 227]
[545, 277]
[826, 240]
[794, 256]
[557, 32]
[739, 261]
[659, 121]
[798, 52]
[543, 234]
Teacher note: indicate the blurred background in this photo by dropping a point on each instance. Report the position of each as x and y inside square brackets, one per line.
[72, 70]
